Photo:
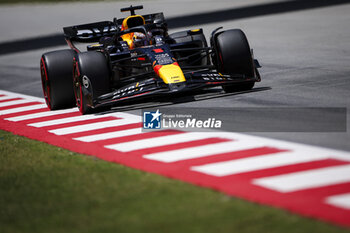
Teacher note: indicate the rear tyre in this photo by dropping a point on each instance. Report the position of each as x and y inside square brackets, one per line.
[56, 77]
[91, 79]
[233, 56]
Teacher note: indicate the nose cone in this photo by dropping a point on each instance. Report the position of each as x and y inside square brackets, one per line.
[175, 87]
[170, 73]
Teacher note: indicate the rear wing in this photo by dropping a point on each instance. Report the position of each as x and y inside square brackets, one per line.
[92, 32]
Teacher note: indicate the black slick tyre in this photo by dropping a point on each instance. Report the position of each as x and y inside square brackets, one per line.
[91, 79]
[56, 70]
[233, 56]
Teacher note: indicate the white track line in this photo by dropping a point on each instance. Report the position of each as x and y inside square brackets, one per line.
[41, 114]
[256, 163]
[306, 179]
[341, 200]
[17, 95]
[66, 120]
[91, 126]
[133, 118]
[6, 97]
[307, 149]
[23, 109]
[14, 102]
[110, 135]
[201, 151]
[158, 141]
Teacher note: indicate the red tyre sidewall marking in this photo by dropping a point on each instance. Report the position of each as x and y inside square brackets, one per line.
[81, 99]
[47, 89]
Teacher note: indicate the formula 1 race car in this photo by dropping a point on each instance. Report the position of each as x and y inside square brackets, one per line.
[135, 57]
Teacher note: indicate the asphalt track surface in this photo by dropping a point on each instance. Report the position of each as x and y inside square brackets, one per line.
[303, 46]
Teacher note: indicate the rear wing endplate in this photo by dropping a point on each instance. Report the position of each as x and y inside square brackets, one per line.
[92, 32]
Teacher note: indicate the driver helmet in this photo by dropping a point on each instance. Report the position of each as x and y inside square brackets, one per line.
[133, 39]
[139, 39]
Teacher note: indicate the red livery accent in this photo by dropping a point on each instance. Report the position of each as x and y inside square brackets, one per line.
[158, 50]
[46, 87]
[157, 68]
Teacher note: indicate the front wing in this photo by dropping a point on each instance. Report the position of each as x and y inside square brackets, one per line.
[155, 87]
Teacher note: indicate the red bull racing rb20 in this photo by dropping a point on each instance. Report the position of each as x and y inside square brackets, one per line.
[135, 57]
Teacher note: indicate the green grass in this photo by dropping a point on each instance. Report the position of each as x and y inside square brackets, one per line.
[47, 189]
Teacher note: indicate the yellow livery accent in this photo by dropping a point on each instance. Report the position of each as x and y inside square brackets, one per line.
[129, 22]
[128, 38]
[133, 21]
[171, 73]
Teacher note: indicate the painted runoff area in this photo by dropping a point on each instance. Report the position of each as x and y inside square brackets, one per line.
[308, 180]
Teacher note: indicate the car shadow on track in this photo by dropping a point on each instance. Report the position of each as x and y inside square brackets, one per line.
[201, 95]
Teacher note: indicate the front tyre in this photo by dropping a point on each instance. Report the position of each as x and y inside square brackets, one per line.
[91, 79]
[56, 70]
[233, 56]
